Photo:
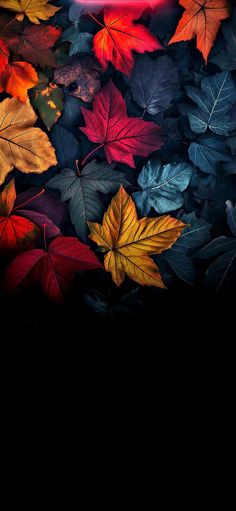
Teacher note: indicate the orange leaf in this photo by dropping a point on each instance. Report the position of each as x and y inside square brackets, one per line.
[17, 79]
[119, 36]
[201, 19]
[129, 242]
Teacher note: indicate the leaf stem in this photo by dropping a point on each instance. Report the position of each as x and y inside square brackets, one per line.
[29, 200]
[9, 23]
[77, 167]
[95, 19]
[92, 152]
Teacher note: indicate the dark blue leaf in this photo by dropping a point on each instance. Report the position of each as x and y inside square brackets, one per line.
[207, 152]
[231, 216]
[214, 100]
[81, 42]
[180, 256]
[153, 83]
[83, 192]
[66, 145]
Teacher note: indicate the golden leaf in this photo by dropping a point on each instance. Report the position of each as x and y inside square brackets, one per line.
[21, 145]
[129, 242]
[35, 10]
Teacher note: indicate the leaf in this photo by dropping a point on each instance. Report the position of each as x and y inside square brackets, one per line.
[206, 152]
[53, 268]
[221, 274]
[66, 145]
[21, 145]
[201, 19]
[162, 186]
[129, 242]
[35, 10]
[16, 233]
[231, 216]
[83, 190]
[180, 257]
[4, 55]
[79, 9]
[122, 137]
[84, 71]
[17, 78]
[43, 203]
[119, 36]
[224, 52]
[153, 83]
[81, 42]
[47, 98]
[214, 100]
[35, 43]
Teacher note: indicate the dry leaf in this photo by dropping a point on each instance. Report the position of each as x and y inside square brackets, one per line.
[35, 10]
[84, 72]
[129, 242]
[21, 145]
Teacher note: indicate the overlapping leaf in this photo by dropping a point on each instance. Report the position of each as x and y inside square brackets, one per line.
[201, 19]
[21, 144]
[129, 242]
[121, 137]
[119, 36]
[16, 233]
[35, 10]
[53, 268]
[214, 101]
[207, 152]
[153, 83]
[83, 192]
[162, 186]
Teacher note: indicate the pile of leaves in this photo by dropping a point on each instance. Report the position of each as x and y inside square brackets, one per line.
[117, 150]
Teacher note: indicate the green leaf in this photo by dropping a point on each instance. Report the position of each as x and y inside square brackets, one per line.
[47, 98]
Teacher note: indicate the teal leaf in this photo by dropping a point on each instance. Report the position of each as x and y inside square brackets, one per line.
[162, 186]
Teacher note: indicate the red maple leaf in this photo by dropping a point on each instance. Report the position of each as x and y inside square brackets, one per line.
[16, 232]
[122, 137]
[120, 35]
[53, 268]
[35, 43]
[4, 55]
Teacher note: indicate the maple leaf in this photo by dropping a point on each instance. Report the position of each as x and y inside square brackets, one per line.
[82, 190]
[4, 55]
[35, 43]
[16, 233]
[122, 137]
[21, 145]
[52, 267]
[201, 19]
[17, 78]
[129, 242]
[119, 36]
[35, 10]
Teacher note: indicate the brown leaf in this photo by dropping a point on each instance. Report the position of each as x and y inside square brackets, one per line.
[84, 72]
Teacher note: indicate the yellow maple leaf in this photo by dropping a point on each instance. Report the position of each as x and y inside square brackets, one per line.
[21, 145]
[129, 242]
[35, 10]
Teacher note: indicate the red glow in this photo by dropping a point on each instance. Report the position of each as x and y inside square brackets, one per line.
[153, 3]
